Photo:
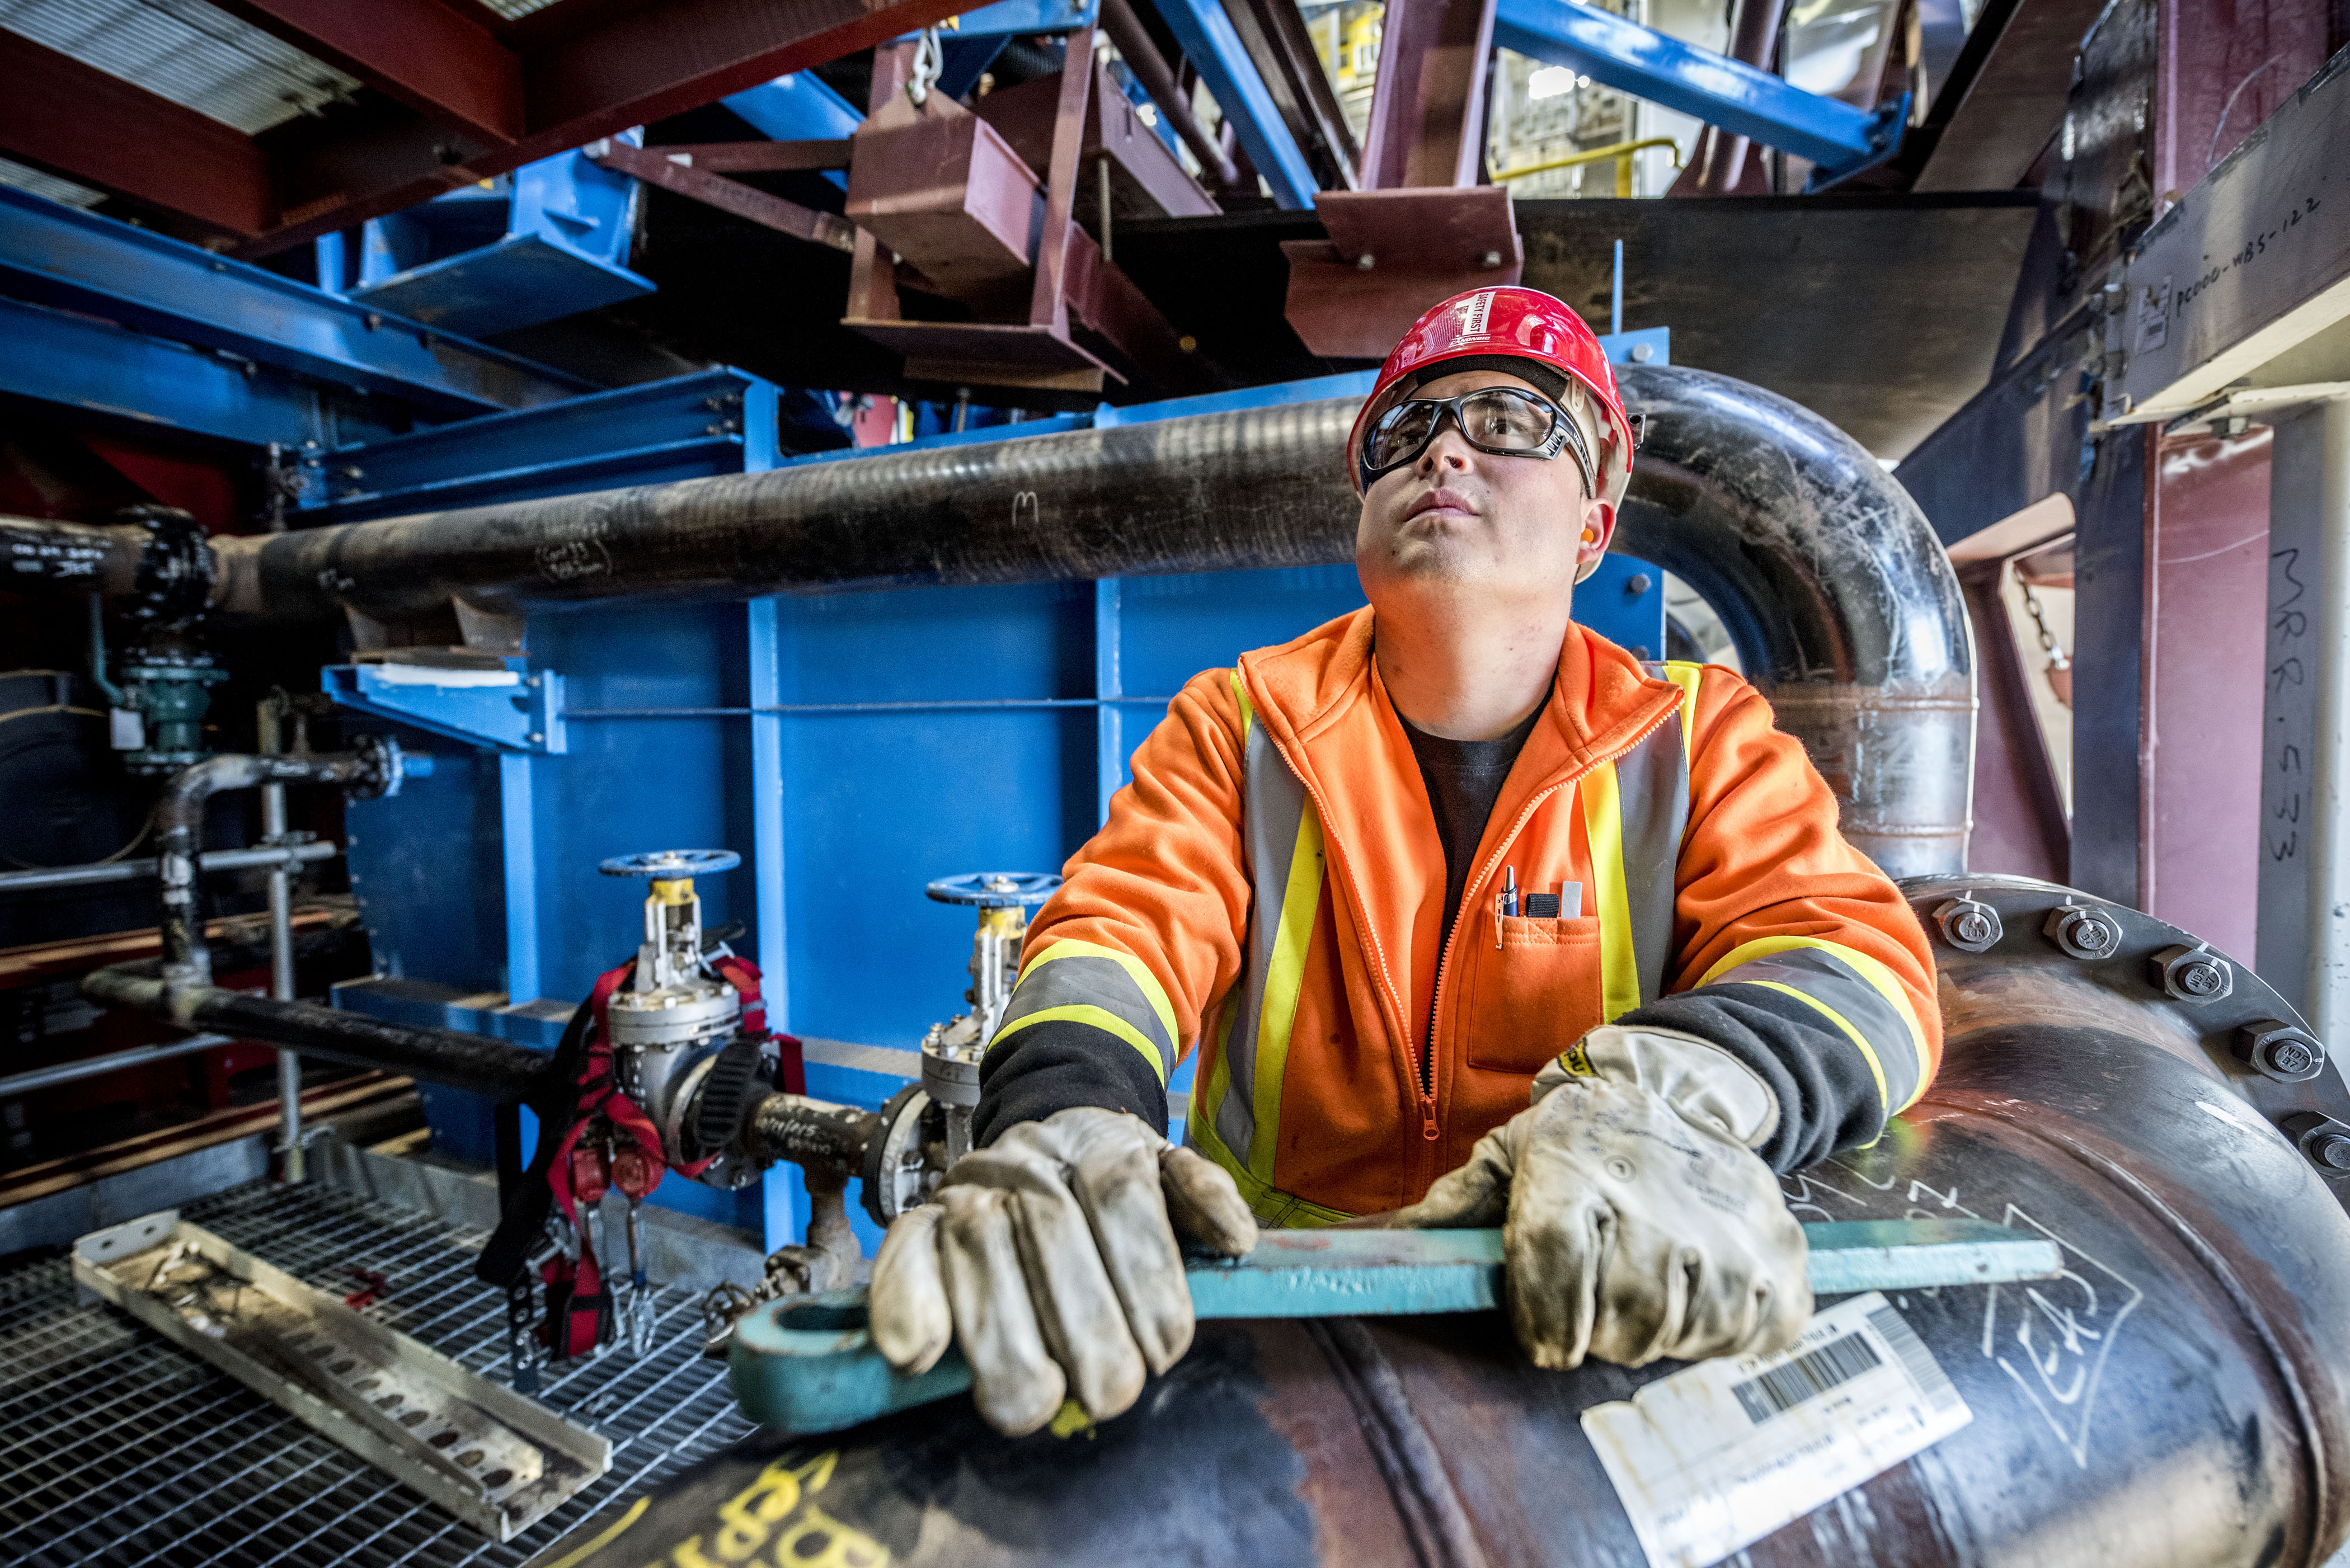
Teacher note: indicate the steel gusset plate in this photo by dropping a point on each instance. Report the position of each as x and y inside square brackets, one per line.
[2180, 1395]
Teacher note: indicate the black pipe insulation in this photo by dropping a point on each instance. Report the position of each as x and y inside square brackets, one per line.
[476, 1062]
[1843, 605]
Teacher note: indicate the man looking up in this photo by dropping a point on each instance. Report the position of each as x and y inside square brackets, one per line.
[1444, 856]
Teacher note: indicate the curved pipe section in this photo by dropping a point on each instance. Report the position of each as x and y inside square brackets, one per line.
[1843, 606]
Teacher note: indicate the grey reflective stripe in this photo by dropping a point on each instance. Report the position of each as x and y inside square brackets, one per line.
[1844, 991]
[1273, 803]
[1074, 980]
[1652, 787]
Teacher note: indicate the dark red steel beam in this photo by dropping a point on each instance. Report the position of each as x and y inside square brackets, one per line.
[97, 130]
[418, 52]
[634, 65]
[645, 64]
[659, 166]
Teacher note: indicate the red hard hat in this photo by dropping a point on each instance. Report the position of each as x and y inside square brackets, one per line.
[1517, 324]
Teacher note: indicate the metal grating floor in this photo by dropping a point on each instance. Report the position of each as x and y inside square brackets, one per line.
[117, 1446]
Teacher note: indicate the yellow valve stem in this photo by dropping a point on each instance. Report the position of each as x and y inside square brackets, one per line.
[1005, 922]
[673, 890]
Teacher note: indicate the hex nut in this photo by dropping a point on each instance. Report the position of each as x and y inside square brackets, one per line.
[1969, 924]
[2083, 932]
[2278, 1050]
[2322, 1141]
[2191, 974]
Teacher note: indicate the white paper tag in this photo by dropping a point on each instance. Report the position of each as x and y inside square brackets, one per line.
[1719, 1455]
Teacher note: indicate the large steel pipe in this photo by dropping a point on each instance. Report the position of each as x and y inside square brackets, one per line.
[2180, 1397]
[1842, 604]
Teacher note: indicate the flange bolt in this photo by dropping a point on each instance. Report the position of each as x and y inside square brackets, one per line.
[2191, 974]
[2278, 1050]
[2331, 1151]
[1969, 924]
[2083, 933]
[2322, 1141]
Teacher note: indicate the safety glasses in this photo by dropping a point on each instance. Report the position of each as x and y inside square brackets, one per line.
[1505, 421]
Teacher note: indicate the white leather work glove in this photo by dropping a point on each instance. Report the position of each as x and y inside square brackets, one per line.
[1050, 1256]
[1636, 1222]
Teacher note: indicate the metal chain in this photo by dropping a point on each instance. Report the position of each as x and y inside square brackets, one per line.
[2057, 659]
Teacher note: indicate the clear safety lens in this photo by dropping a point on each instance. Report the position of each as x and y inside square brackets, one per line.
[1496, 418]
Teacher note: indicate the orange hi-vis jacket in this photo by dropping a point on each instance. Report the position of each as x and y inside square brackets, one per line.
[1270, 890]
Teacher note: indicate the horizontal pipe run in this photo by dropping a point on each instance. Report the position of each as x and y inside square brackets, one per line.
[289, 855]
[814, 710]
[49, 1077]
[497, 1068]
[180, 833]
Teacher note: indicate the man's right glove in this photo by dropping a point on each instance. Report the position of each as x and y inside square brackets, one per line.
[1636, 1222]
[1050, 1257]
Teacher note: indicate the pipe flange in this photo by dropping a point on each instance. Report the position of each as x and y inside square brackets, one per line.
[382, 768]
[2193, 974]
[2083, 932]
[2281, 1051]
[893, 1174]
[1969, 924]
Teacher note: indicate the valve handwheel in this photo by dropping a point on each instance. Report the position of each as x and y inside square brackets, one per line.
[995, 889]
[671, 864]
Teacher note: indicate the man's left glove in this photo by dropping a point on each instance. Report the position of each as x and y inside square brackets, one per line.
[1636, 1221]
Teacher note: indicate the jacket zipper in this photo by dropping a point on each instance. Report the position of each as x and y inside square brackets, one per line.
[1429, 1129]
[1428, 1124]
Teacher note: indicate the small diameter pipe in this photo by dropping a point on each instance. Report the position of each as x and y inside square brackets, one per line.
[1142, 58]
[281, 940]
[473, 1062]
[49, 1077]
[180, 824]
[211, 860]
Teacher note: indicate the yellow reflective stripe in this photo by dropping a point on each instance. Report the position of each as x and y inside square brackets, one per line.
[1619, 966]
[1876, 1067]
[1206, 1103]
[1248, 708]
[1266, 1201]
[1152, 991]
[1284, 976]
[1687, 677]
[1870, 969]
[1100, 1018]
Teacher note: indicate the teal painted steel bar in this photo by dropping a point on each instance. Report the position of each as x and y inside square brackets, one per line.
[809, 1365]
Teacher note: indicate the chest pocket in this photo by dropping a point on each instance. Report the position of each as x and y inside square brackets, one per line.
[1532, 996]
[1548, 982]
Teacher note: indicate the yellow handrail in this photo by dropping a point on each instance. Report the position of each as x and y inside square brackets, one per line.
[1621, 152]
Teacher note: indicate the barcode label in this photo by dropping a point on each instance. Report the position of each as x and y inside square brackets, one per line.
[1715, 1457]
[1809, 1375]
[1925, 1374]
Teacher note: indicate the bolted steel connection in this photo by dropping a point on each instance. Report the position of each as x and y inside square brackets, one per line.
[1969, 924]
[2191, 974]
[2278, 1050]
[2083, 932]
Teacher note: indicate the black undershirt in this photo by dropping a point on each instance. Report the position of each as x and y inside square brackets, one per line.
[1464, 778]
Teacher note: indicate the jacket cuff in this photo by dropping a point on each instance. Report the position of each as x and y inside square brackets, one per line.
[1057, 1064]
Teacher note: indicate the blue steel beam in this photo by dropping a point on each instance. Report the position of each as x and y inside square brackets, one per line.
[687, 427]
[55, 255]
[54, 357]
[1842, 139]
[1207, 38]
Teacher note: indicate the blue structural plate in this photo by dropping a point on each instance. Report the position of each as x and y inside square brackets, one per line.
[520, 281]
[1622, 54]
[1650, 346]
[58, 357]
[810, 1366]
[57, 256]
[688, 427]
[512, 708]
